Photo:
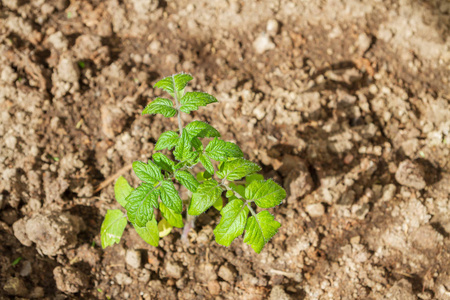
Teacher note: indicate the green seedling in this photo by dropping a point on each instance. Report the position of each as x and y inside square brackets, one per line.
[16, 261]
[195, 143]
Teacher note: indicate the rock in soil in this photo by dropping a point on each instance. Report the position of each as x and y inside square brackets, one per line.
[123, 279]
[173, 270]
[278, 293]
[411, 175]
[298, 181]
[133, 258]
[214, 287]
[70, 280]
[315, 210]
[227, 274]
[15, 286]
[52, 232]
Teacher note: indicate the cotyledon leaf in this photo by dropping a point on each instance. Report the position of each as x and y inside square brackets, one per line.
[112, 227]
[121, 190]
[174, 219]
[149, 233]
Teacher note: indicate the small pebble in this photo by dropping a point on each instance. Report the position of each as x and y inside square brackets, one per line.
[133, 258]
[315, 210]
[263, 43]
[272, 27]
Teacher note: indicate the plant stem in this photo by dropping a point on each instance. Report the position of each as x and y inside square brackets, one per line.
[175, 92]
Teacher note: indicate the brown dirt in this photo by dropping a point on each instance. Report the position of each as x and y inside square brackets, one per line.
[346, 104]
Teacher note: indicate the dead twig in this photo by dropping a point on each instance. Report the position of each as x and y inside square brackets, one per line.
[111, 178]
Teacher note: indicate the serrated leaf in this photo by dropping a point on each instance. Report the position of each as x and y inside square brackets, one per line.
[236, 169]
[112, 227]
[163, 162]
[260, 230]
[170, 197]
[160, 106]
[140, 204]
[174, 219]
[174, 83]
[121, 190]
[193, 100]
[187, 180]
[266, 194]
[220, 150]
[218, 204]
[232, 223]
[207, 193]
[201, 129]
[206, 163]
[183, 150]
[164, 228]
[149, 233]
[147, 172]
[168, 139]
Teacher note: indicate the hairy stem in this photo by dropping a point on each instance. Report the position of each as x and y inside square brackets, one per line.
[190, 220]
[180, 125]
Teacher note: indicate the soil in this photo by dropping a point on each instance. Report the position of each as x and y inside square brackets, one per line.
[343, 102]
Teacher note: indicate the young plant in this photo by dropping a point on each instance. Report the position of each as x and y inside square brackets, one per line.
[157, 190]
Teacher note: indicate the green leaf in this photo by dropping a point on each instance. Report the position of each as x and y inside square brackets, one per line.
[121, 190]
[112, 227]
[174, 219]
[220, 150]
[149, 233]
[170, 197]
[207, 193]
[250, 178]
[160, 106]
[183, 151]
[236, 169]
[174, 83]
[232, 223]
[16, 261]
[260, 229]
[202, 176]
[164, 228]
[197, 144]
[239, 189]
[147, 172]
[201, 129]
[141, 203]
[207, 164]
[193, 100]
[187, 180]
[168, 139]
[218, 204]
[163, 162]
[266, 194]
